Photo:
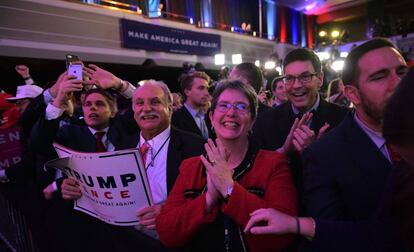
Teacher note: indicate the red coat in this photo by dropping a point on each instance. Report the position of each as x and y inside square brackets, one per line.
[181, 218]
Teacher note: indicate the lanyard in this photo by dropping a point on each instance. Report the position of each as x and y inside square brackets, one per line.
[156, 154]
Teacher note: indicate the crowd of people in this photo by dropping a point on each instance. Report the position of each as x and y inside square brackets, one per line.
[236, 168]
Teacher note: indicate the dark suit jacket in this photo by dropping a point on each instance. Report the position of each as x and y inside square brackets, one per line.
[183, 120]
[344, 180]
[182, 145]
[273, 126]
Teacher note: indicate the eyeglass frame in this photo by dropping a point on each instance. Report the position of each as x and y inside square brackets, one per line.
[233, 106]
[299, 77]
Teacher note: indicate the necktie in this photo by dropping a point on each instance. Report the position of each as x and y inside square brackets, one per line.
[395, 157]
[299, 115]
[143, 151]
[203, 126]
[100, 147]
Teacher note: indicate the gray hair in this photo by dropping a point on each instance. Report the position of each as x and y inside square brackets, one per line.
[162, 85]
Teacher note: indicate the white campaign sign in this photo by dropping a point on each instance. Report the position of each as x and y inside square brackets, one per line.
[114, 184]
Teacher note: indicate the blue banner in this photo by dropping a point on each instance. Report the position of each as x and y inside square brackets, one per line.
[158, 38]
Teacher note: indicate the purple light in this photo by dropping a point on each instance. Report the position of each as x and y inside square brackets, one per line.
[310, 6]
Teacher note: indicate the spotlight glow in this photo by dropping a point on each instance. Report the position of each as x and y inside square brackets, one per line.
[323, 55]
[279, 70]
[219, 59]
[236, 59]
[343, 54]
[322, 33]
[257, 63]
[335, 34]
[338, 65]
[270, 64]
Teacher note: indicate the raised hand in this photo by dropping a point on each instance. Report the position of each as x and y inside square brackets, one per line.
[288, 145]
[102, 78]
[322, 130]
[147, 216]
[67, 85]
[23, 71]
[218, 169]
[71, 189]
[303, 136]
[54, 89]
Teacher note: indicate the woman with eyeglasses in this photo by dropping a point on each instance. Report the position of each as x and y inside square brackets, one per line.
[214, 194]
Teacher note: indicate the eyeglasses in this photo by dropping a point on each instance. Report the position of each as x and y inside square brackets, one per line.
[238, 106]
[302, 78]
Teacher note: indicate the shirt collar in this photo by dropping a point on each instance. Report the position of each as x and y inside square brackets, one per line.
[157, 141]
[313, 108]
[93, 131]
[375, 136]
[192, 111]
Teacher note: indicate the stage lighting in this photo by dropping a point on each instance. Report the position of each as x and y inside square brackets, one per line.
[219, 59]
[335, 34]
[236, 59]
[338, 65]
[270, 64]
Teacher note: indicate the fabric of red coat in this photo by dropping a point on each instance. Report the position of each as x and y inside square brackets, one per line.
[181, 218]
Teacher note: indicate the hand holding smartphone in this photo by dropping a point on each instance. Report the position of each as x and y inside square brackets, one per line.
[76, 70]
[74, 66]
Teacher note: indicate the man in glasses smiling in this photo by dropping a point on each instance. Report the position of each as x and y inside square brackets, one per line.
[303, 78]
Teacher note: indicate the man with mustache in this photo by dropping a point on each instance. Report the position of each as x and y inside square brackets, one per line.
[191, 117]
[162, 146]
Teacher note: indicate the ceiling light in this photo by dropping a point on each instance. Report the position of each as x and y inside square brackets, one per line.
[270, 64]
[236, 59]
[219, 59]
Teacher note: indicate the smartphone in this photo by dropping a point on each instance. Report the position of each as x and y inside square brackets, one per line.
[71, 59]
[76, 70]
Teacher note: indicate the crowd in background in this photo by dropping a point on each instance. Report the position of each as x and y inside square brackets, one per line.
[236, 164]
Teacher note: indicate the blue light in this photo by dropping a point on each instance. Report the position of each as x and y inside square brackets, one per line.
[153, 8]
[295, 32]
[189, 10]
[206, 17]
[271, 19]
[302, 30]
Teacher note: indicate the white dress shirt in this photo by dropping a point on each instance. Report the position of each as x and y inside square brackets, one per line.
[156, 164]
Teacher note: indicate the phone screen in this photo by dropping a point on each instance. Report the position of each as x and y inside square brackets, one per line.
[76, 70]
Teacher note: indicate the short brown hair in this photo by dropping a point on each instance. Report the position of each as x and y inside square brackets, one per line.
[186, 80]
[107, 95]
[350, 72]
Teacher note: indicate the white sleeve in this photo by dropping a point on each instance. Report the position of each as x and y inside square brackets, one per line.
[53, 112]
[129, 92]
[47, 96]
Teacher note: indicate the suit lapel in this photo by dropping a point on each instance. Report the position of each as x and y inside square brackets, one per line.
[174, 158]
[88, 140]
[365, 154]
[190, 121]
[319, 118]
